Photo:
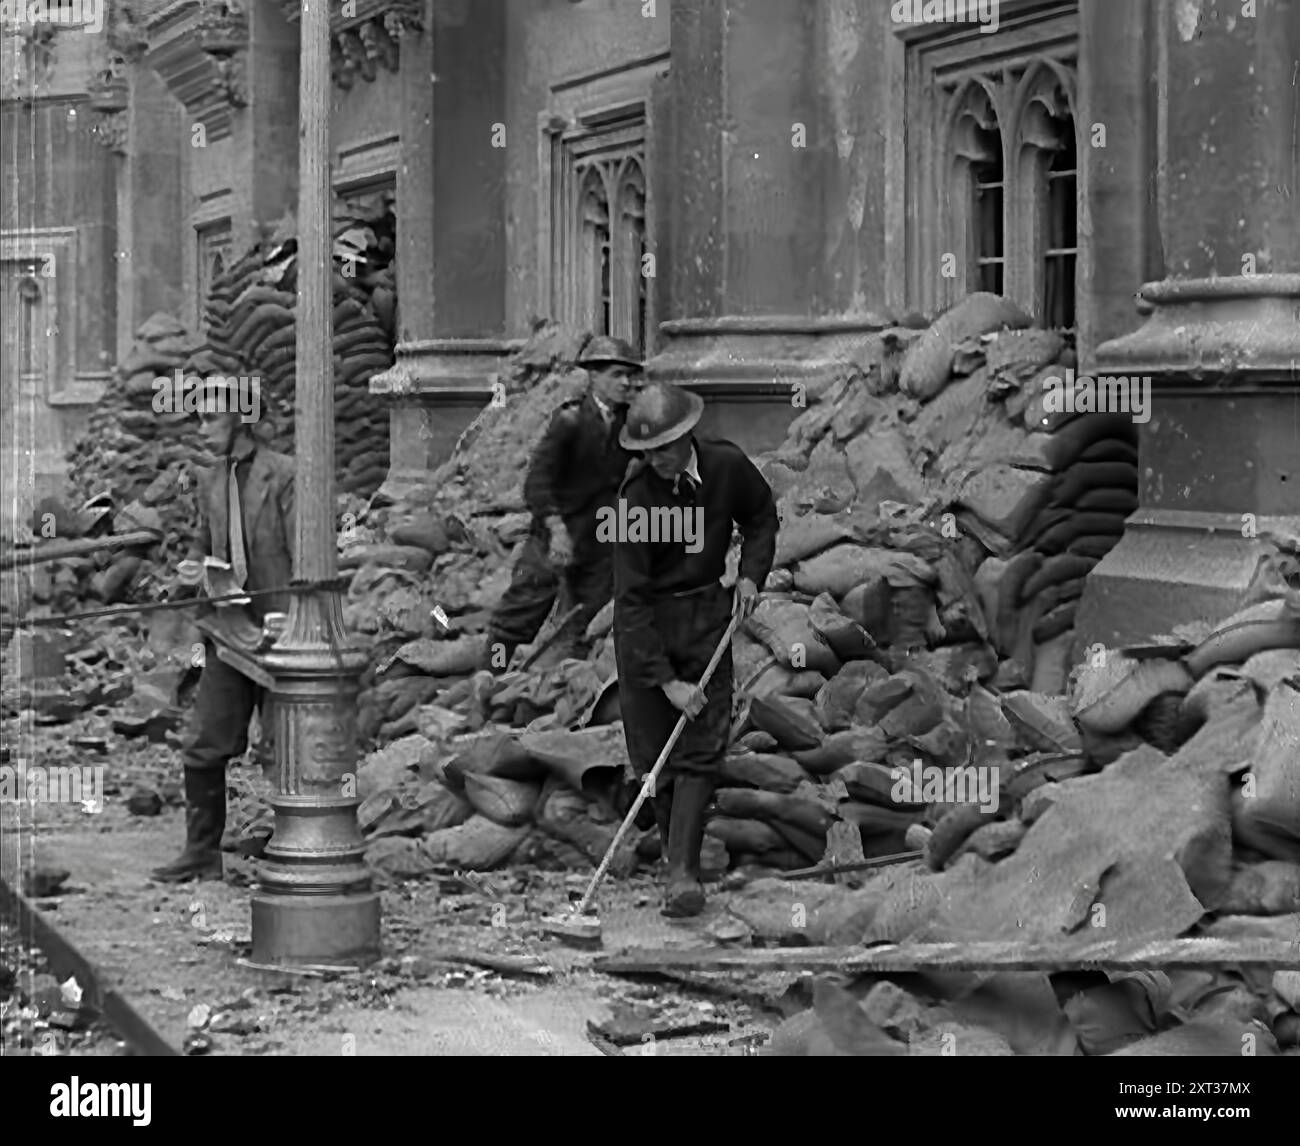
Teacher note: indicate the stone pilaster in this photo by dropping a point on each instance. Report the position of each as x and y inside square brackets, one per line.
[1220, 457]
[749, 147]
[452, 234]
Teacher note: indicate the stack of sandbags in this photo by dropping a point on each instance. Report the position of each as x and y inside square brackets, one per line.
[1241, 684]
[476, 800]
[251, 320]
[143, 452]
[952, 434]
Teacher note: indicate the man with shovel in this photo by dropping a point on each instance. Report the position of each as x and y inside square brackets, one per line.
[671, 611]
[575, 470]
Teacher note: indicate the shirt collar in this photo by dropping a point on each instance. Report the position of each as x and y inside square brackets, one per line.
[691, 471]
[693, 467]
[606, 410]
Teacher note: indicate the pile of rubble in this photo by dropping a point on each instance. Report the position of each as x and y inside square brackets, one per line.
[938, 517]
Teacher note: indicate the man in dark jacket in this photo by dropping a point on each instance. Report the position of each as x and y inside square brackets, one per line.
[246, 505]
[670, 610]
[576, 469]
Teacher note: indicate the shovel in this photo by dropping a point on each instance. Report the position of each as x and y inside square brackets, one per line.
[585, 928]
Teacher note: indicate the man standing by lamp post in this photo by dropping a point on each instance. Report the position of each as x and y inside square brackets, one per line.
[671, 610]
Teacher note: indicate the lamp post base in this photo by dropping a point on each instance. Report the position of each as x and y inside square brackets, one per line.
[329, 930]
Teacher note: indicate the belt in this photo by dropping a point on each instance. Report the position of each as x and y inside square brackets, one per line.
[697, 590]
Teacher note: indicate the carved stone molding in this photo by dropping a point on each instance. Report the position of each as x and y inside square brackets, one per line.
[371, 36]
[198, 48]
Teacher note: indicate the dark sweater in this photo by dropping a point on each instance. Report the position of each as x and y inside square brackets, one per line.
[578, 464]
[732, 493]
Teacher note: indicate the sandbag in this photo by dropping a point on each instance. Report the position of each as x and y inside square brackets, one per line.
[508, 802]
[494, 752]
[1108, 696]
[840, 748]
[1268, 888]
[1267, 625]
[838, 697]
[1058, 450]
[1269, 821]
[785, 627]
[848, 640]
[874, 819]
[439, 807]
[913, 619]
[1058, 537]
[443, 658]
[807, 535]
[770, 771]
[791, 720]
[1053, 623]
[479, 844]
[840, 568]
[1005, 497]
[1109, 500]
[806, 816]
[1087, 477]
[868, 604]
[1269, 668]
[1018, 570]
[1061, 567]
[1093, 546]
[579, 758]
[928, 363]
[875, 783]
[747, 837]
[1111, 450]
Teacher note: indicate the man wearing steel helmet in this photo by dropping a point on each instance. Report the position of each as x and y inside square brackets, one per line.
[576, 469]
[246, 506]
[671, 610]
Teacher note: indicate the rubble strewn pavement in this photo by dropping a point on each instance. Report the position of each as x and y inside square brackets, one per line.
[939, 518]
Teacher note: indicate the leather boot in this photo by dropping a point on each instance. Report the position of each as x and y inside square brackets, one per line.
[663, 812]
[205, 823]
[691, 795]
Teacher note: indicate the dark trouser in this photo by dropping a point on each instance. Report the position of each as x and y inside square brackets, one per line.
[223, 706]
[534, 585]
[691, 628]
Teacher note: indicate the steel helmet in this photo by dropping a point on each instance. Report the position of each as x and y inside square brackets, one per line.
[659, 414]
[606, 351]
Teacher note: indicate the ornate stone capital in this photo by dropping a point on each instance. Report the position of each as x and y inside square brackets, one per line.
[369, 37]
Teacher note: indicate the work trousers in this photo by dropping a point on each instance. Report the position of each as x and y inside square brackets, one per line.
[690, 628]
[223, 707]
[534, 585]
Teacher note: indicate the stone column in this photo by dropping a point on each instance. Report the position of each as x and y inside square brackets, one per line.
[451, 195]
[152, 182]
[752, 307]
[1220, 457]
